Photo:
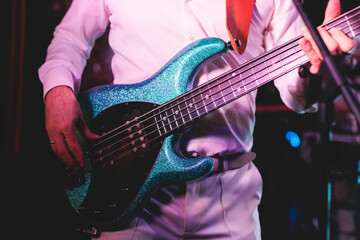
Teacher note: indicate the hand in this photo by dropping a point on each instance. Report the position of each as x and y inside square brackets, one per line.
[335, 40]
[62, 114]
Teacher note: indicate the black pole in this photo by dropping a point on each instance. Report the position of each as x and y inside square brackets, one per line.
[322, 167]
[339, 78]
[326, 108]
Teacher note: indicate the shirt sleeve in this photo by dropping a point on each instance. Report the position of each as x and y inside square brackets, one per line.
[284, 26]
[73, 40]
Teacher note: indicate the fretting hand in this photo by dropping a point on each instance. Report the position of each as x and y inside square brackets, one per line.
[336, 41]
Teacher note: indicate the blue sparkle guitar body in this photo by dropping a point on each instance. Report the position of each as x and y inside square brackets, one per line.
[136, 152]
[139, 124]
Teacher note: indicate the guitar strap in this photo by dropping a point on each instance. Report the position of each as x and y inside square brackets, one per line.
[238, 17]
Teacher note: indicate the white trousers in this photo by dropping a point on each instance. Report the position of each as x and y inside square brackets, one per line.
[221, 206]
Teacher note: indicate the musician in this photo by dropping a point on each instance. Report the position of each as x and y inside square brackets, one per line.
[145, 35]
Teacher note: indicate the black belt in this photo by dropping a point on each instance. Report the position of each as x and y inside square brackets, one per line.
[231, 161]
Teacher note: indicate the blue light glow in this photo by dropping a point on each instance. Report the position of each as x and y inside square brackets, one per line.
[358, 173]
[293, 138]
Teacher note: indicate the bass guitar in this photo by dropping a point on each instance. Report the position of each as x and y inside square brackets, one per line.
[139, 123]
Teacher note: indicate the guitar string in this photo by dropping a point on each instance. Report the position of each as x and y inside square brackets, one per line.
[123, 154]
[110, 161]
[291, 69]
[242, 80]
[204, 88]
[159, 113]
[200, 90]
[191, 112]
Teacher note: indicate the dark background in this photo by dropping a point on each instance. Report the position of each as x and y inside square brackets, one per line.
[33, 204]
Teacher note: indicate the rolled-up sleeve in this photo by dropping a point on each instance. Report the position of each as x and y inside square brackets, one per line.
[73, 40]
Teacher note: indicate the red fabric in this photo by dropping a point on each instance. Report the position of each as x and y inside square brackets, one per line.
[238, 17]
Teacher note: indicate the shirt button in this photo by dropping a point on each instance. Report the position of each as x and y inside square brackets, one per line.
[191, 37]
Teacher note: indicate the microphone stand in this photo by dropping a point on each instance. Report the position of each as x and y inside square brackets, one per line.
[340, 79]
[326, 108]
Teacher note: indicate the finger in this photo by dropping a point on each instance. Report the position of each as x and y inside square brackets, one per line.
[62, 151]
[85, 130]
[313, 56]
[333, 9]
[74, 147]
[307, 35]
[330, 42]
[305, 45]
[346, 43]
[309, 50]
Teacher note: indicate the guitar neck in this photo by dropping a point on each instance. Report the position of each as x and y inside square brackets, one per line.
[241, 80]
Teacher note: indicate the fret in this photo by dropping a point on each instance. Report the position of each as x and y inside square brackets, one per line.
[178, 121]
[171, 118]
[233, 87]
[206, 99]
[198, 102]
[210, 102]
[250, 83]
[237, 87]
[178, 116]
[280, 61]
[209, 107]
[253, 73]
[290, 62]
[261, 73]
[217, 95]
[349, 25]
[348, 22]
[239, 81]
[296, 53]
[228, 91]
[213, 91]
[272, 64]
[264, 78]
[342, 25]
[165, 121]
[267, 70]
[192, 109]
[159, 123]
[224, 91]
[355, 20]
[188, 106]
[213, 103]
[246, 72]
[275, 68]
[202, 111]
[222, 95]
[184, 111]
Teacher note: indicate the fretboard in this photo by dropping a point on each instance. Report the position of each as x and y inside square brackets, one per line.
[239, 81]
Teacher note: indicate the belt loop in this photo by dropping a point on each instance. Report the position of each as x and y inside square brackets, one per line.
[221, 164]
[232, 161]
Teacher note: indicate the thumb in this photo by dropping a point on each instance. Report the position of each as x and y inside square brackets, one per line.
[89, 134]
[333, 9]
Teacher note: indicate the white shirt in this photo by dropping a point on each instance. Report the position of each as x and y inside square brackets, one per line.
[144, 35]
